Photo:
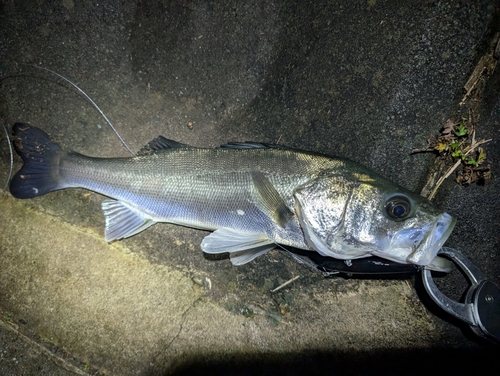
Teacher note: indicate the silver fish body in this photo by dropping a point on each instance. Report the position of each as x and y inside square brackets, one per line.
[253, 196]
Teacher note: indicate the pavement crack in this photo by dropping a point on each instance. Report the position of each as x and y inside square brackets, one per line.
[181, 327]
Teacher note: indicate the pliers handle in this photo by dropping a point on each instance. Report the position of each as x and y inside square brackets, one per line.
[481, 306]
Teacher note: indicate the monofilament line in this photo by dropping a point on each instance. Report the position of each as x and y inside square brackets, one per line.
[11, 155]
[93, 103]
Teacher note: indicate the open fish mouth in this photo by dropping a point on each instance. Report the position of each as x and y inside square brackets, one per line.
[420, 245]
[432, 239]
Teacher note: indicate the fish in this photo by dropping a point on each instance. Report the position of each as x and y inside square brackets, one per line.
[252, 196]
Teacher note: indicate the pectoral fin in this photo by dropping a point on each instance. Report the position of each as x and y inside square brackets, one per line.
[242, 247]
[270, 200]
[123, 221]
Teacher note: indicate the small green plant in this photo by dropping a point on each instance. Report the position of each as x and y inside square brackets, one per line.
[454, 140]
[7, 319]
[457, 146]
[461, 130]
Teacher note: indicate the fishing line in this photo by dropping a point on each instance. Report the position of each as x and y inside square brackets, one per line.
[11, 156]
[92, 102]
[11, 167]
[82, 93]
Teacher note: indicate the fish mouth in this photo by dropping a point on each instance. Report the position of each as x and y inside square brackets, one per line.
[433, 239]
[420, 245]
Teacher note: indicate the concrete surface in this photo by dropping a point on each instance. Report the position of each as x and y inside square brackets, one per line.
[367, 80]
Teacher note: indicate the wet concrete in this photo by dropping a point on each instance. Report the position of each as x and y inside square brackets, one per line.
[365, 80]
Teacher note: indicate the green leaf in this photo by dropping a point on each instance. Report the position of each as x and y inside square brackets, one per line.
[481, 156]
[461, 130]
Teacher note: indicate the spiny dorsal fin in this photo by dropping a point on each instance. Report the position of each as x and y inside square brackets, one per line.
[249, 145]
[162, 143]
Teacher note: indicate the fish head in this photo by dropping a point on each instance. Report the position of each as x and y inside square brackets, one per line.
[358, 213]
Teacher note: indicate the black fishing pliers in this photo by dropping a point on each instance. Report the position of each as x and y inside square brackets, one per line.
[480, 309]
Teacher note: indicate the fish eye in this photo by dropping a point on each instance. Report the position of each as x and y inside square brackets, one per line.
[398, 207]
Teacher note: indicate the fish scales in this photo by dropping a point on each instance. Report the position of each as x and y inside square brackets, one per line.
[202, 188]
[252, 196]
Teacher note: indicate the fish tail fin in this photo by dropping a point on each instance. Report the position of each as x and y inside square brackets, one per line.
[41, 157]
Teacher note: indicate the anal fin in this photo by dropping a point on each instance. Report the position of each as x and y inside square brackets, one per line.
[122, 221]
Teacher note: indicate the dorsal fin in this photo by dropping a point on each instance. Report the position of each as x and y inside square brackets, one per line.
[249, 145]
[162, 143]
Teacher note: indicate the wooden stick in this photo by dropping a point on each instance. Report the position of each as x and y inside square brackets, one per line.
[286, 283]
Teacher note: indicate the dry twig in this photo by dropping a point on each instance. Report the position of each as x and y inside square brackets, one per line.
[467, 150]
[286, 283]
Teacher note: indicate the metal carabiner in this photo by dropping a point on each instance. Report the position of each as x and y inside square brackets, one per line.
[481, 308]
